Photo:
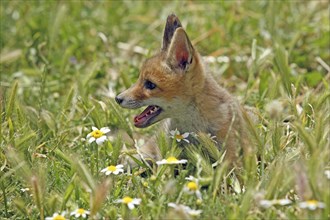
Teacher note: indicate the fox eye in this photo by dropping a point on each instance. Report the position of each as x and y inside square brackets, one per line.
[149, 85]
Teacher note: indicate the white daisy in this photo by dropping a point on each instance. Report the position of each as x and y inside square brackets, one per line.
[265, 203]
[327, 174]
[171, 160]
[311, 205]
[98, 135]
[282, 202]
[80, 213]
[56, 216]
[193, 188]
[268, 203]
[175, 134]
[130, 202]
[185, 209]
[193, 212]
[113, 169]
[25, 189]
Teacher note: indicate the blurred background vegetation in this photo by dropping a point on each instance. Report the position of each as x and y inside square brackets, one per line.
[52, 45]
[62, 62]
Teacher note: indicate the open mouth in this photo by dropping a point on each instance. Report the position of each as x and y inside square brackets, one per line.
[145, 118]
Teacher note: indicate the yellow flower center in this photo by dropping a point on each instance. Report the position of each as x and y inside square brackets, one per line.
[97, 134]
[172, 159]
[112, 168]
[178, 136]
[127, 199]
[81, 211]
[59, 217]
[192, 186]
[312, 202]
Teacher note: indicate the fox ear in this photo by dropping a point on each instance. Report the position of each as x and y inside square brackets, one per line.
[172, 23]
[180, 53]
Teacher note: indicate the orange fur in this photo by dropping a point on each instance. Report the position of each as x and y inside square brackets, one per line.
[188, 96]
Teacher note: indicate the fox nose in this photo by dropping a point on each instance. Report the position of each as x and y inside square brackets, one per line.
[119, 100]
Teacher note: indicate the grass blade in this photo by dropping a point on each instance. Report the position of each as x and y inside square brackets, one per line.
[11, 101]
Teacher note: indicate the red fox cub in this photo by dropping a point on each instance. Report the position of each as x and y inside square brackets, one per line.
[174, 85]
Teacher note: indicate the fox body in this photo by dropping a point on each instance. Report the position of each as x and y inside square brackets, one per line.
[174, 85]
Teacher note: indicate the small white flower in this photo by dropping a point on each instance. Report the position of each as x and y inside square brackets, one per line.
[56, 216]
[37, 155]
[130, 202]
[171, 160]
[98, 135]
[191, 178]
[193, 212]
[80, 213]
[311, 205]
[282, 202]
[268, 203]
[25, 189]
[223, 59]
[113, 169]
[209, 59]
[175, 134]
[185, 209]
[192, 188]
[265, 203]
[327, 174]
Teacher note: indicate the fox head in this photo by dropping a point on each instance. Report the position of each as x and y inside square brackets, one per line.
[167, 81]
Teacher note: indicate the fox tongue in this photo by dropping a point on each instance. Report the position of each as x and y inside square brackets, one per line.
[148, 113]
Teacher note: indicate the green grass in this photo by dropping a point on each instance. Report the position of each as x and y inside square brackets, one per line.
[59, 60]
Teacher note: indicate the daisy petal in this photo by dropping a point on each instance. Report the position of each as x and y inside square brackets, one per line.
[119, 201]
[104, 170]
[100, 140]
[137, 201]
[130, 205]
[91, 140]
[105, 130]
[186, 141]
[161, 162]
[185, 135]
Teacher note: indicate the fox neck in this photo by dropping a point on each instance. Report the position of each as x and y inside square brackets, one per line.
[202, 111]
[191, 121]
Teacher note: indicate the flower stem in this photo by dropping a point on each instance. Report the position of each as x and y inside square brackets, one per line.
[97, 159]
[124, 211]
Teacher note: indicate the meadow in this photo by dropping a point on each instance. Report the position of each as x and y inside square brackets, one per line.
[63, 62]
